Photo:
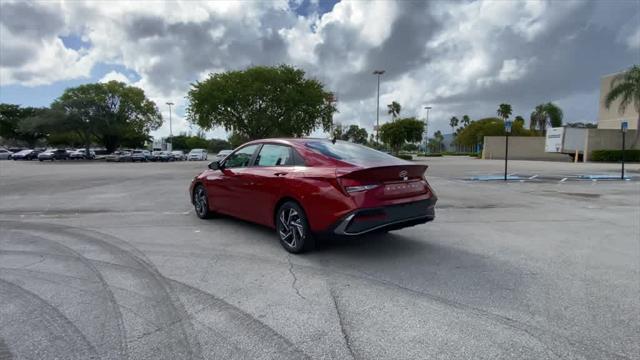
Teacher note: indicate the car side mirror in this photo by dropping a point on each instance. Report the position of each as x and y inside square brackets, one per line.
[214, 165]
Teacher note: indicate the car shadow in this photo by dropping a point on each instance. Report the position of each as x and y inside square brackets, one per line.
[412, 260]
[416, 261]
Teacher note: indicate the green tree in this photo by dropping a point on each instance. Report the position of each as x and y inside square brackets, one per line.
[14, 123]
[111, 114]
[453, 122]
[625, 87]
[215, 145]
[338, 131]
[356, 134]
[519, 119]
[477, 130]
[236, 139]
[261, 102]
[545, 114]
[197, 142]
[394, 109]
[465, 120]
[435, 143]
[504, 111]
[397, 133]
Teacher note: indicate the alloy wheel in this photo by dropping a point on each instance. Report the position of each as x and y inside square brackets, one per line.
[291, 227]
[200, 201]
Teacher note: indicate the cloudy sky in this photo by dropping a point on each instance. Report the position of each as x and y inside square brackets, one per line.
[460, 57]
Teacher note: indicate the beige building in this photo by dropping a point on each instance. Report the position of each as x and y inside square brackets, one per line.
[610, 118]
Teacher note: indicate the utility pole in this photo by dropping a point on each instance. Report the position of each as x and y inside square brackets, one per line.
[378, 72]
[170, 129]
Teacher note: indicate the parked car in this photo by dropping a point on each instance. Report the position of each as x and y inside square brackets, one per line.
[82, 154]
[178, 155]
[223, 154]
[5, 154]
[53, 154]
[197, 154]
[28, 154]
[141, 155]
[164, 156]
[119, 156]
[305, 187]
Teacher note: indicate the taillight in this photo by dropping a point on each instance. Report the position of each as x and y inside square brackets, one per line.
[354, 186]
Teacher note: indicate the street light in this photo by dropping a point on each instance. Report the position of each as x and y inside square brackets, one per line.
[378, 72]
[426, 130]
[170, 129]
[507, 129]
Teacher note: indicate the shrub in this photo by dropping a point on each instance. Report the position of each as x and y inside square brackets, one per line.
[405, 156]
[448, 153]
[615, 155]
[429, 155]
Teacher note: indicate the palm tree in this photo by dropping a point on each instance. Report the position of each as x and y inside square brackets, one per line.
[504, 111]
[544, 115]
[626, 88]
[466, 120]
[394, 109]
[453, 122]
[538, 119]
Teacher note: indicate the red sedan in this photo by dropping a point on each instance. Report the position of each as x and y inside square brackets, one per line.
[304, 187]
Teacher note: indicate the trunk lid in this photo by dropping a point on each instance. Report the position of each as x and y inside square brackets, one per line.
[393, 181]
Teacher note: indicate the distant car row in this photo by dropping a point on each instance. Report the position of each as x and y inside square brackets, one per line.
[48, 155]
[117, 156]
[162, 156]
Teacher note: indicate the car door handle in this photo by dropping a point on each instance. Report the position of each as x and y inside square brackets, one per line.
[280, 174]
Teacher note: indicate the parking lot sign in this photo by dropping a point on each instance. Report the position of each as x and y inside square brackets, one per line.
[624, 126]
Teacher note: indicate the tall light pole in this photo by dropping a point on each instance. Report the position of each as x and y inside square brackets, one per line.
[170, 129]
[426, 130]
[507, 131]
[378, 72]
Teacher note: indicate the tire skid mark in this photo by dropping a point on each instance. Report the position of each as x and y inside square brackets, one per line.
[245, 320]
[239, 316]
[122, 352]
[34, 274]
[51, 318]
[66, 284]
[174, 306]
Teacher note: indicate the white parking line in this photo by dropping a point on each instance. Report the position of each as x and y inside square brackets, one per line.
[563, 180]
[533, 177]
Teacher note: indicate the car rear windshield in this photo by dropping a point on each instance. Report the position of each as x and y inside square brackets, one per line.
[349, 152]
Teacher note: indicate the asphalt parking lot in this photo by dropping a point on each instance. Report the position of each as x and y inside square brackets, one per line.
[108, 261]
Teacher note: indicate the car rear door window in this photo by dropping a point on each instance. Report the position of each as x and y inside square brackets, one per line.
[349, 152]
[240, 158]
[274, 155]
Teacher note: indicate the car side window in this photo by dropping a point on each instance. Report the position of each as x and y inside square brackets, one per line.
[240, 158]
[274, 155]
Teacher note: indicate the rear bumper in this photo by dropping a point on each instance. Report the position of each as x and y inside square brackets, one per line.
[386, 218]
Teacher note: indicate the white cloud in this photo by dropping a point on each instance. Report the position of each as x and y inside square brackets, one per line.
[460, 57]
[115, 75]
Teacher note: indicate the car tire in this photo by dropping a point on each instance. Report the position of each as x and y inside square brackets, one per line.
[201, 202]
[293, 228]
